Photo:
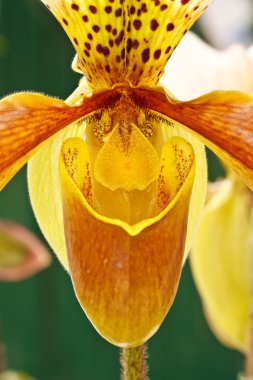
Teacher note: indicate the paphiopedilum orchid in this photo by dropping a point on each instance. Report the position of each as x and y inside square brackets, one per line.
[128, 168]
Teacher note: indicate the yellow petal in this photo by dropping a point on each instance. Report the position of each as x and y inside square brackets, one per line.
[200, 182]
[220, 260]
[221, 120]
[126, 41]
[176, 161]
[46, 199]
[126, 284]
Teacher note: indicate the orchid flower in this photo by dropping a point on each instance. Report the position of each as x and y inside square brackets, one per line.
[117, 173]
[21, 253]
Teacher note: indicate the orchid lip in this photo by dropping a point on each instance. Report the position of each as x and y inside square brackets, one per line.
[111, 300]
[134, 230]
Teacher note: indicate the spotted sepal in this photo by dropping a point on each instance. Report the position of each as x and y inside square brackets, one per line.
[119, 41]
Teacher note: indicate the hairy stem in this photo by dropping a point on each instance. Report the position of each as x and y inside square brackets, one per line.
[133, 361]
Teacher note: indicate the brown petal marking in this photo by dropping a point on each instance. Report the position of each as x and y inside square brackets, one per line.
[222, 120]
[125, 284]
[28, 119]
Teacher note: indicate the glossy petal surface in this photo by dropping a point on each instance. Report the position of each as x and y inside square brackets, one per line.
[120, 279]
[125, 41]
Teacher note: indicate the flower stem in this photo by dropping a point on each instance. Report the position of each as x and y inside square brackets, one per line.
[133, 361]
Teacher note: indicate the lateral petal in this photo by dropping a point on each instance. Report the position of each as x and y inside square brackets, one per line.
[28, 119]
[222, 120]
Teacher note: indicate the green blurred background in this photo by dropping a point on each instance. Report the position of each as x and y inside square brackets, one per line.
[44, 329]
